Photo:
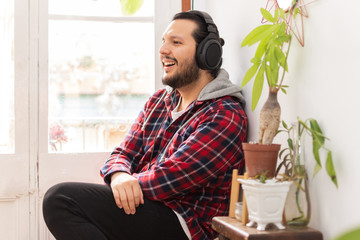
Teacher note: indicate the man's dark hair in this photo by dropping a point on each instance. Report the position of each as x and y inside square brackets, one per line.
[200, 33]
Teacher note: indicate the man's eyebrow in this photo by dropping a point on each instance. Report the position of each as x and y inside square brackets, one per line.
[174, 37]
[177, 37]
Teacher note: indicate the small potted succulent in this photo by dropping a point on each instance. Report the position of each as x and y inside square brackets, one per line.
[265, 200]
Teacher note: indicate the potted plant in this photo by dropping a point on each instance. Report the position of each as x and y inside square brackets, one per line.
[265, 200]
[270, 62]
[266, 197]
[292, 168]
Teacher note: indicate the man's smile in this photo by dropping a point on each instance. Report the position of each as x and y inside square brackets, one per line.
[168, 63]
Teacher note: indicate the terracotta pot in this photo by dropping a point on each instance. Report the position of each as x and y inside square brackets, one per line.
[260, 158]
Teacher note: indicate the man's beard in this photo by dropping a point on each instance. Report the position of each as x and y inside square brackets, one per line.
[184, 76]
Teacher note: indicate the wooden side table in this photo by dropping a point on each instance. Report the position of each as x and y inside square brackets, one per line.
[230, 228]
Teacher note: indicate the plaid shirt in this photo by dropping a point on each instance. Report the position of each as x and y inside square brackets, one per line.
[185, 164]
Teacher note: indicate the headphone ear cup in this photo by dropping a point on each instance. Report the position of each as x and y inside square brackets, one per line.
[208, 53]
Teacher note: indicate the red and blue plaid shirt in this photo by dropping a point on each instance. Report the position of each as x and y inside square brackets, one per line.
[186, 167]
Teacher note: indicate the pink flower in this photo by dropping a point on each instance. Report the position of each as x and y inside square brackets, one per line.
[56, 135]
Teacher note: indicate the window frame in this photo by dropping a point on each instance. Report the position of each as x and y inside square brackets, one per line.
[160, 22]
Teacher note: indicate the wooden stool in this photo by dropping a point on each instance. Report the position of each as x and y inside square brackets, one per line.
[234, 196]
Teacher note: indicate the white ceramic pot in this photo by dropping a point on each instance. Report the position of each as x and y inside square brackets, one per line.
[265, 201]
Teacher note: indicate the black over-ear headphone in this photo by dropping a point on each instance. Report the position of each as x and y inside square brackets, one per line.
[209, 50]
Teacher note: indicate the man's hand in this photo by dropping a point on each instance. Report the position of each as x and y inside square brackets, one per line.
[127, 192]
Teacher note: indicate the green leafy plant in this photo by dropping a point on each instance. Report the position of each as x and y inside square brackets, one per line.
[263, 176]
[271, 54]
[270, 62]
[290, 161]
[292, 164]
[350, 235]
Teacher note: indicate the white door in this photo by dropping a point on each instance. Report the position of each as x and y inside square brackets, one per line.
[94, 77]
[16, 190]
[73, 76]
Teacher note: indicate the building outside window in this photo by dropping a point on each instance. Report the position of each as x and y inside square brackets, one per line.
[100, 72]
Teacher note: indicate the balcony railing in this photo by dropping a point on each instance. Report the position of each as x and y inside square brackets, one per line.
[95, 134]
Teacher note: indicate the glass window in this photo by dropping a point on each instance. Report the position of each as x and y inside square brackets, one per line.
[7, 131]
[103, 8]
[100, 72]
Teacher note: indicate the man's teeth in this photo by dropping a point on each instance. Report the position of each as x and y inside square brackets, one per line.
[169, 63]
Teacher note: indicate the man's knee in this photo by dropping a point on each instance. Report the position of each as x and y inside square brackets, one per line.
[55, 200]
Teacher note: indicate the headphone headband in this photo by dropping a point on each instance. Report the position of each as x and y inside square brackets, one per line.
[211, 27]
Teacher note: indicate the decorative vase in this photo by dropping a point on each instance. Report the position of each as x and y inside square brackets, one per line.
[298, 208]
[260, 158]
[265, 201]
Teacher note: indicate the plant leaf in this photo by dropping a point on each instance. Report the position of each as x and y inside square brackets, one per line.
[256, 60]
[282, 29]
[317, 168]
[296, 11]
[250, 74]
[282, 39]
[316, 130]
[258, 86]
[276, 16]
[284, 124]
[330, 168]
[290, 143]
[281, 57]
[272, 70]
[282, 152]
[258, 34]
[316, 147]
[262, 46]
[350, 235]
[129, 7]
[267, 15]
[282, 13]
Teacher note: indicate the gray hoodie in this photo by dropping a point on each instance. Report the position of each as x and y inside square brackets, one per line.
[221, 86]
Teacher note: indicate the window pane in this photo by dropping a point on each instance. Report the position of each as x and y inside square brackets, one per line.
[100, 75]
[7, 76]
[108, 8]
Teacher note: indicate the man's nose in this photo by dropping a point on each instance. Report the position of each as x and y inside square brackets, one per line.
[164, 49]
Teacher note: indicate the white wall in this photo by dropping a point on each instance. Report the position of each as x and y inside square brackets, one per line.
[324, 84]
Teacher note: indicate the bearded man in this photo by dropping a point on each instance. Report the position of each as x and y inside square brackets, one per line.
[171, 175]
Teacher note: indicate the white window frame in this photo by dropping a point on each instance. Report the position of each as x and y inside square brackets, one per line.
[161, 21]
[164, 11]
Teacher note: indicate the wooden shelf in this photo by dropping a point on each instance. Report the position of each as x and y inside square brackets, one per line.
[230, 228]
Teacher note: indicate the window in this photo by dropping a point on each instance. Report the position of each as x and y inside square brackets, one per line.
[100, 72]
[73, 75]
[7, 130]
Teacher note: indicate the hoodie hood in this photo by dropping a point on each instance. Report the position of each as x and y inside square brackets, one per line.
[221, 86]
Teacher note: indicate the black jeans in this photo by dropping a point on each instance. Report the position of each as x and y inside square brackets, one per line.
[88, 211]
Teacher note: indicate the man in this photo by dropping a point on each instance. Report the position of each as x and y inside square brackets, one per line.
[171, 175]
